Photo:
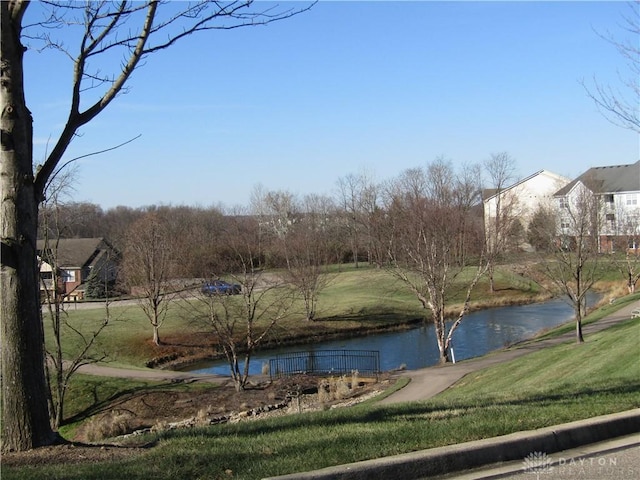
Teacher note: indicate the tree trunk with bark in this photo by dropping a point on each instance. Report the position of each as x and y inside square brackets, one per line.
[25, 417]
[25, 421]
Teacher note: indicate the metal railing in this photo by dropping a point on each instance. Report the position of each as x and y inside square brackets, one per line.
[325, 362]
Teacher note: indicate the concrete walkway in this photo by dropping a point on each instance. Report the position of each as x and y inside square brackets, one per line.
[428, 382]
[151, 374]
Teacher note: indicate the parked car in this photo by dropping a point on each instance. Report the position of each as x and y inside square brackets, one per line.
[220, 287]
[635, 313]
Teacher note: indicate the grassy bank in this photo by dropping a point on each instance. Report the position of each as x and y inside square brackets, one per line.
[559, 384]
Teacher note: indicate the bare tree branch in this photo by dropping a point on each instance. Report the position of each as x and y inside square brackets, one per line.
[159, 26]
[621, 106]
[68, 162]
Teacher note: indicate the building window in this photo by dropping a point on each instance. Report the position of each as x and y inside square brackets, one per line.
[611, 220]
[564, 203]
[68, 276]
[608, 198]
[632, 200]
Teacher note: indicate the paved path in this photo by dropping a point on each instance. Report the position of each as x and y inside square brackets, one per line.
[151, 374]
[428, 382]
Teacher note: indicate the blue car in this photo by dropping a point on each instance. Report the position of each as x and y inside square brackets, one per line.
[220, 287]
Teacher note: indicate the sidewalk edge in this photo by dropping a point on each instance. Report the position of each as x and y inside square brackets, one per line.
[463, 456]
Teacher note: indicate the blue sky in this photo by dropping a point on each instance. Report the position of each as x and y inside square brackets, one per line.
[346, 87]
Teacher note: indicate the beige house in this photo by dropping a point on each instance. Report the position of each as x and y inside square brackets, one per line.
[518, 202]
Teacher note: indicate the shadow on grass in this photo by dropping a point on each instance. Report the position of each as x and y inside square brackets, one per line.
[114, 400]
[415, 411]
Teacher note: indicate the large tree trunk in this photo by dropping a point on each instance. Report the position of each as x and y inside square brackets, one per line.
[25, 416]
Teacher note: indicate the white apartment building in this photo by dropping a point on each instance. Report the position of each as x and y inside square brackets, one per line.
[617, 191]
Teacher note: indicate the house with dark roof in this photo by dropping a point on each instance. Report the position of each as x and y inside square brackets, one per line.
[72, 261]
[617, 188]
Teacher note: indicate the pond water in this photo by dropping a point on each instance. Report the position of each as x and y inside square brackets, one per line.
[479, 333]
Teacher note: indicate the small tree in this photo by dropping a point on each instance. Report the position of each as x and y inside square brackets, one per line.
[500, 224]
[242, 322]
[147, 268]
[432, 238]
[630, 268]
[573, 267]
[61, 364]
[97, 286]
[309, 248]
[541, 233]
[629, 236]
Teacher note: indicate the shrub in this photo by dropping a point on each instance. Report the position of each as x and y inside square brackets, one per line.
[107, 426]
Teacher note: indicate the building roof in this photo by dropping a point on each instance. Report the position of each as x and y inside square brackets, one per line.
[488, 193]
[613, 179]
[77, 252]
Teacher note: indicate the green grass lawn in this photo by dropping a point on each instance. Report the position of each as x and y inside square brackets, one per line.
[559, 384]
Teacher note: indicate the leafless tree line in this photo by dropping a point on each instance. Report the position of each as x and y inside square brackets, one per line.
[350, 226]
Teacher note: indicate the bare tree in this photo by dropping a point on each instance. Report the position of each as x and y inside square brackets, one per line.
[630, 267]
[277, 215]
[242, 322]
[116, 223]
[574, 266]
[542, 229]
[432, 237]
[309, 247]
[59, 369]
[358, 202]
[76, 219]
[499, 222]
[129, 30]
[148, 268]
[628, 233]
[620, 105]
[196, 234]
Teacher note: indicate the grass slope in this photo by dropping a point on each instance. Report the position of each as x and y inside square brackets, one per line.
[560, 384]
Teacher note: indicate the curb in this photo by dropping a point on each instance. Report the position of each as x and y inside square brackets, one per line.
[464, 456]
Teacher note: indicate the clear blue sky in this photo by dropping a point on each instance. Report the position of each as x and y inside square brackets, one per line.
[379, 86]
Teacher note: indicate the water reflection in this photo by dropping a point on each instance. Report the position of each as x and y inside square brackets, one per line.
[478, 334]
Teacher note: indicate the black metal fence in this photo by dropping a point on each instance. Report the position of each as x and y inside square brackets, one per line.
[325, 362]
